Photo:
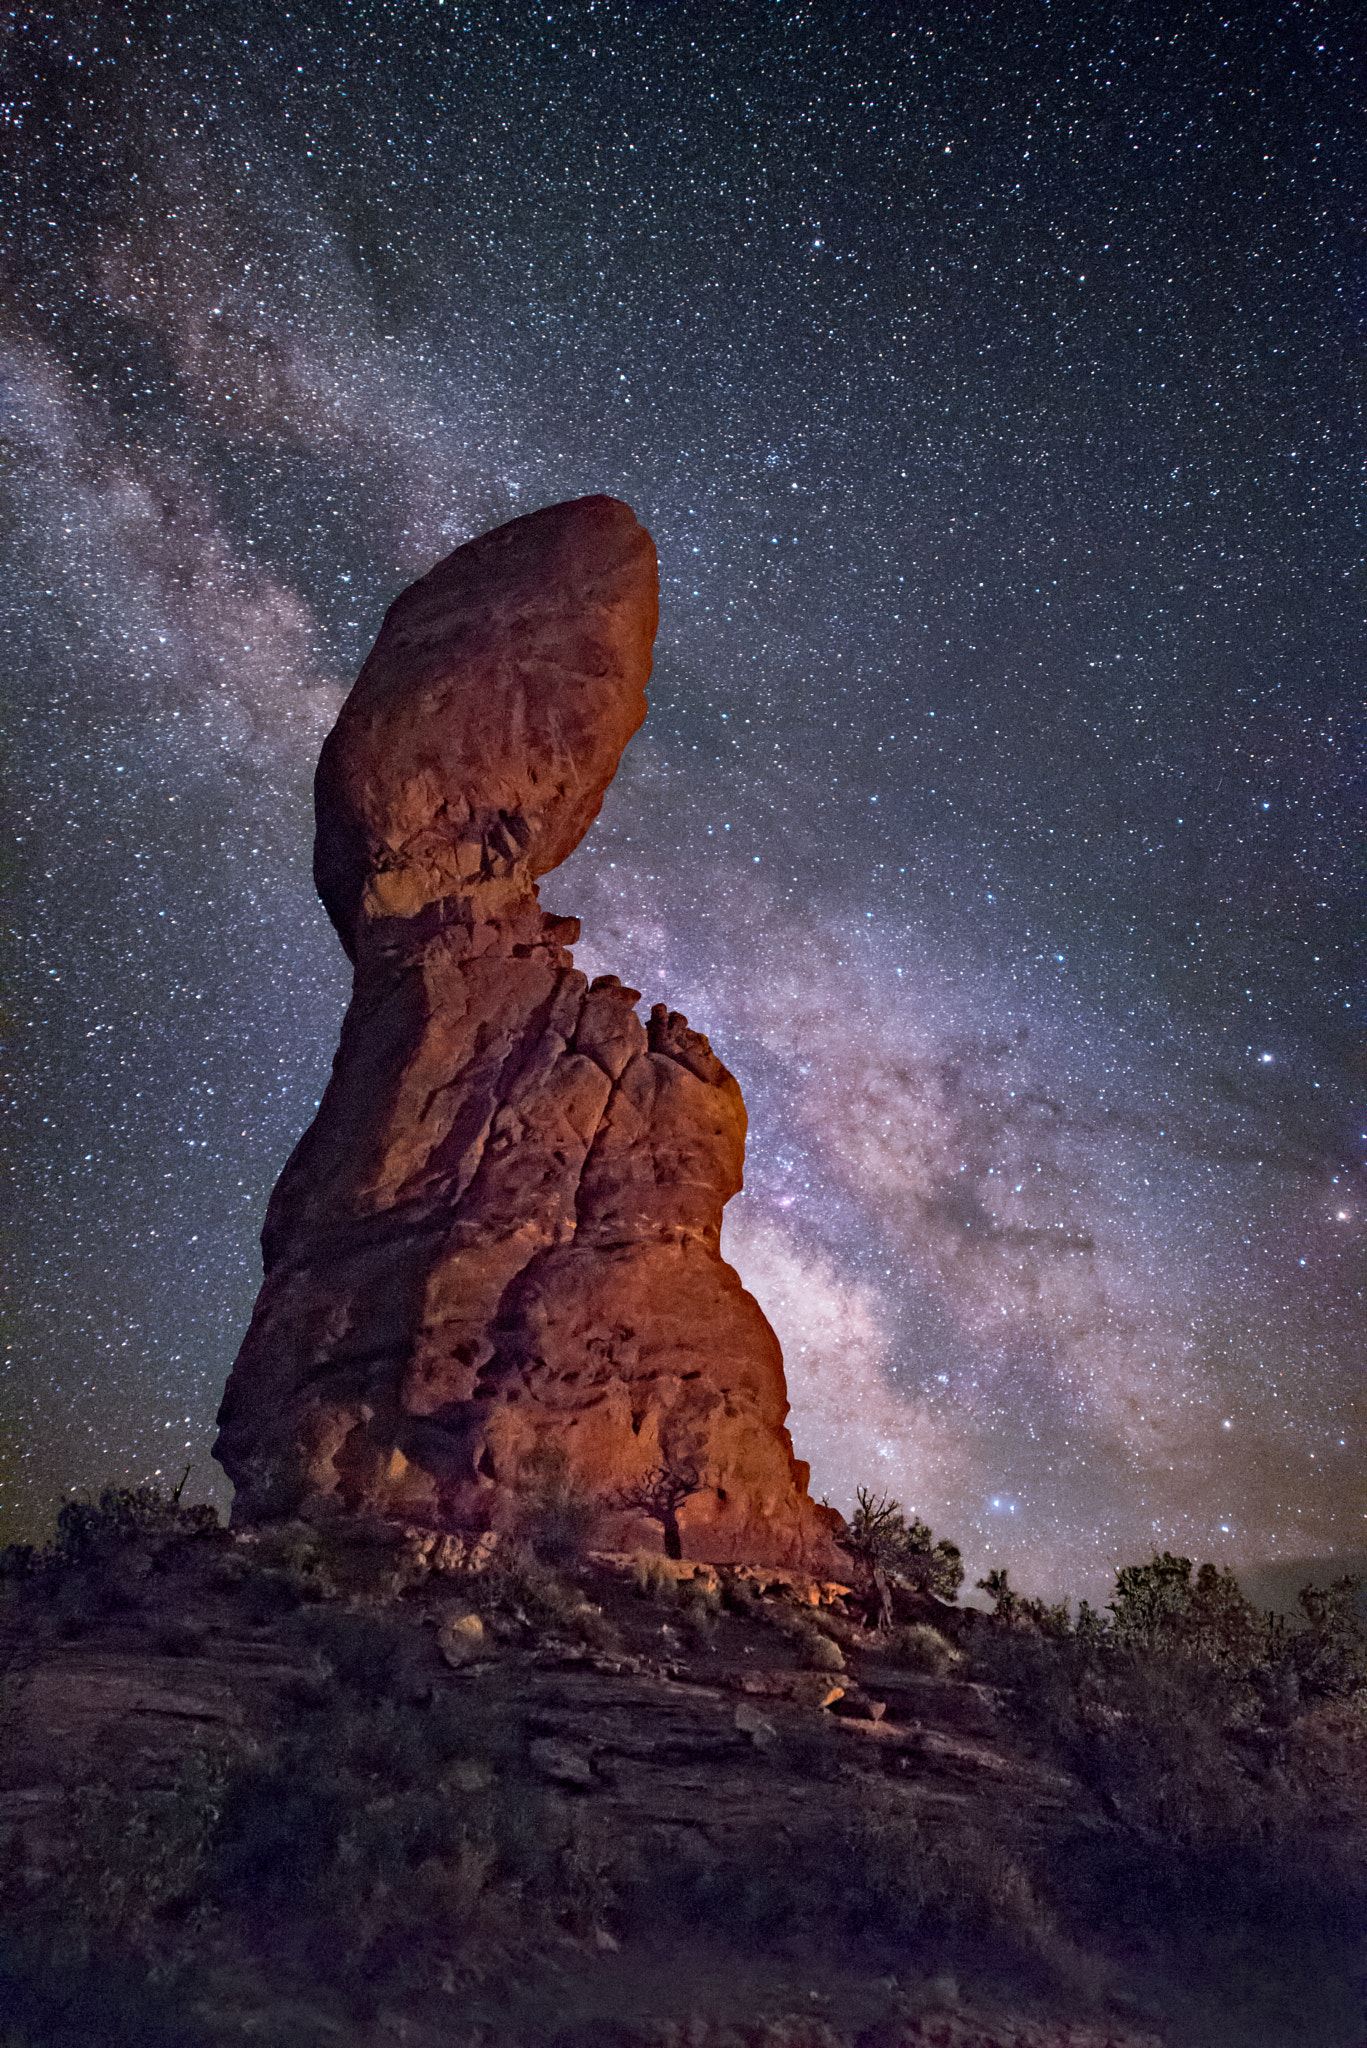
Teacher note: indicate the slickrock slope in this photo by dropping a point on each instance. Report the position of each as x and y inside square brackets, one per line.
[216, 1713]
[495, 1254]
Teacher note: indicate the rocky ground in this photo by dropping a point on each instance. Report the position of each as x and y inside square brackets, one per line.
[289, 1790]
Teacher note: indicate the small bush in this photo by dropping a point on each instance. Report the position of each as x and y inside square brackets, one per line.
[1329, 1653]
[292, 1565]
[737, 1593]
[390, 1820]
[559, 1517]
[368, 1657]
[701, 1594]
[880, 1878]
[653, 1580]
[820, 1653]
[533, 1593]
[907, 1881]
[699, 1606]
[918, 1647]
[817, 1649]
[121, 1513]
[408, 1816]
[135, 1857]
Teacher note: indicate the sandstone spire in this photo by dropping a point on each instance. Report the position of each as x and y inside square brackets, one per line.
[497, 1246]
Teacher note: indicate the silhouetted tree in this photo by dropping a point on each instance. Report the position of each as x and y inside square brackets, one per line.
[660, 1495]
[890, 1550]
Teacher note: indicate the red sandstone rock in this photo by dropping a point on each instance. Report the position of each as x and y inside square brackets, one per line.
[495, 1253]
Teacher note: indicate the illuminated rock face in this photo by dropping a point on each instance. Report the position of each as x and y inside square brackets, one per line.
[495, 1253]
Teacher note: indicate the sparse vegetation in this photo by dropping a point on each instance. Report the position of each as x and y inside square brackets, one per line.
[401, 1827]
[135, 1859]
[560, 1516]
[523, 1589]
[91, 1533]
[919, 1647]
[889, 1551]
[411, 1823]
[1227, 1750]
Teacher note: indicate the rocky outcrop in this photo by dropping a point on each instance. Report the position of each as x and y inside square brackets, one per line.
[146, 1668]
[492, 1263]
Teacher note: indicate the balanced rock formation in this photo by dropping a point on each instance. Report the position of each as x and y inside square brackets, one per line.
[492, 1264]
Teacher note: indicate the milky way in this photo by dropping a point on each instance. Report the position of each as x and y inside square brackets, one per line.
[985, 377]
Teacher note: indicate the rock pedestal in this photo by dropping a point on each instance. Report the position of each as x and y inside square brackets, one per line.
[492, 1264]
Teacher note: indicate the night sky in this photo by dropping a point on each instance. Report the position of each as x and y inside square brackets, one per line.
[990, 380]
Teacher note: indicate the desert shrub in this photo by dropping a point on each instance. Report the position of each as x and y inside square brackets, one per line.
[120, 1514]
[820, 1652]
[588, 1871]
[91, 1532]
[888, 1549]
[908, 1882]
[875, 1876]
[366, 1657]
[77, 1960]
[1213, 1871]
[699, 1605]
[1151, 1601]
[652, 1579]
[388, 1821]
[408, 1814]
[702, 1593]
[532, 1592]
[291, 1564]
[737, 1593]
[399, 1822]
[1011, 1609]
[916, 1646]
[101, 1551]
[806, 1630]
[559, 1517]
[1034, 1670]
[1149, 1737]
[749, 1895]
[136, 1856]
[1328, 1654]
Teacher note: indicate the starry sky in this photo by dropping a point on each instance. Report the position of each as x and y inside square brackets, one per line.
[990, 379]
